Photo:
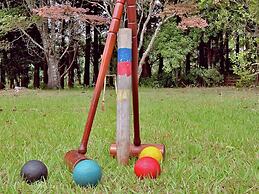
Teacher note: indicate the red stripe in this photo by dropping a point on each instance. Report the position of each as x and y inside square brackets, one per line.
[124, 68]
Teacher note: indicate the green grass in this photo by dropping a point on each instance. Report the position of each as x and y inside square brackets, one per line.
[211, 137]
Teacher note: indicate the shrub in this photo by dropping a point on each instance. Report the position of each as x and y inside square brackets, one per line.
[165, 80]
[243, 68]
[243, 71]
[205, 77]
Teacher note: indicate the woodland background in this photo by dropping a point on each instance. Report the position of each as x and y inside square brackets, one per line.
[58, 44]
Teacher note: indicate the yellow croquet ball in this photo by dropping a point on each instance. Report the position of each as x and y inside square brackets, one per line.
[152, 152]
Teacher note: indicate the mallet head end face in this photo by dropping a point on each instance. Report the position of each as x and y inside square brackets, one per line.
[72, 157]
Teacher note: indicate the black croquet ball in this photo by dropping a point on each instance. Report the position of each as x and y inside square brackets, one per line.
[34, 170]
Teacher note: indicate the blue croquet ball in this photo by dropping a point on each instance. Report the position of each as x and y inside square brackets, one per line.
[34, 170]
[87, 173]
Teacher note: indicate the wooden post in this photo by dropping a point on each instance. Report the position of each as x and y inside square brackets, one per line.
[124, 80]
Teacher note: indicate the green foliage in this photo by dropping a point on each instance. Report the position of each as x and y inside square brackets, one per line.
[246, 80]
[231, 16]
[253, 8]
[205, 4]
[212, 77]
[4, 45]
[205, 77]
[244, 73]
[165, 80]
[14, 18]
[242, 67]
[174, 45]
[197, 77]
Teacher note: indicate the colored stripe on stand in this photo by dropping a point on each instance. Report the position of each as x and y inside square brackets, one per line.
[124, 68]
[124, 54]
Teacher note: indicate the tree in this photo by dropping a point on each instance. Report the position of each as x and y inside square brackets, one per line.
[53, 15]
[48, 24]
[155, 13]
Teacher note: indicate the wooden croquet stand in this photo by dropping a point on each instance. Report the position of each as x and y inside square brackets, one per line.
[74, 156]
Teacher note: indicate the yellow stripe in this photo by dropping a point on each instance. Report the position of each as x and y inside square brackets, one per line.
[123, 94]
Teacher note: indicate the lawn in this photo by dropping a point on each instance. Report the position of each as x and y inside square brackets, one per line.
[211, 137]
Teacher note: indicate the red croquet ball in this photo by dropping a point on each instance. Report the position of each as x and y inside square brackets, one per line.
[147, 167]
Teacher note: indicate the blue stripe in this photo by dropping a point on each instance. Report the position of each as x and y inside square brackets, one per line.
[124, 55]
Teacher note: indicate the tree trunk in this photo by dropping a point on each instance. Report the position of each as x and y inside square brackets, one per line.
[188, 64]
[216, 51]
[62, 62]
[16, 73]
[2, 77]
[160, 65]
[78, 69]
[45, 73]
[36, 76]
[237, 43]
[50, 53]
[62, 70]
[177, 76]
[87, 55]
[53, 73]
[202, 60]
[110, 79]
[71, 66]
[53, 70]
[256, 33]
[146, 68]
[209, 53]
[227, 61]
[11, 86]
[25, 77]
[96, 55]
[221, 53]
[2, 72]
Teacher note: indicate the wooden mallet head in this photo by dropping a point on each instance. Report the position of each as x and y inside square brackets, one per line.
[72, 157]
[135, 150]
